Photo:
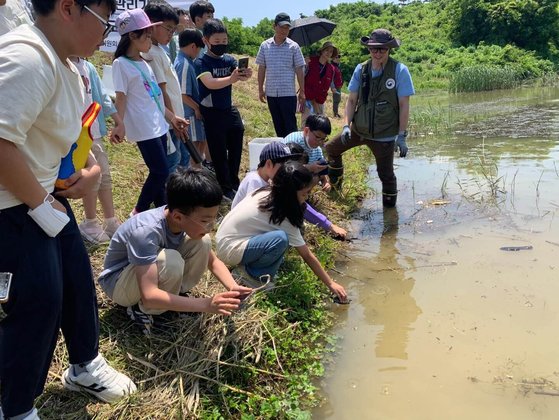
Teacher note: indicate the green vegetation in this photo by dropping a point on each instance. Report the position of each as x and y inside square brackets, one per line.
[478, 78]
[439, 37]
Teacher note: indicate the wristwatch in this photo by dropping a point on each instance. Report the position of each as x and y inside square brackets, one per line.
[404, 133]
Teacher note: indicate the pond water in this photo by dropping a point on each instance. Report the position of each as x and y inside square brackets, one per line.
[443, 322]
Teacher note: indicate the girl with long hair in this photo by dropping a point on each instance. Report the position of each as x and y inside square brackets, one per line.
[257, 232]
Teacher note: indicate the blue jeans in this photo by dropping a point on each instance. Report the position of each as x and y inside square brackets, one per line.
[173, 160]
[154, 152]
[264, 253]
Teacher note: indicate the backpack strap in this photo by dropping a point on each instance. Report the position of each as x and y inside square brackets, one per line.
[365, 81]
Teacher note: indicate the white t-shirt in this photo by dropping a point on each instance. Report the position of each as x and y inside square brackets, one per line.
[84, 73]
[245, 221]
[42, 104]
[165, 73]
[13, 14]
[250, 183]
[143, 120]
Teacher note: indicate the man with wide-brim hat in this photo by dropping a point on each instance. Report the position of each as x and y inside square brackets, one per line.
[376, 112]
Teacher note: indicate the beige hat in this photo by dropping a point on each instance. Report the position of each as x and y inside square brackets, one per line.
[326, 45]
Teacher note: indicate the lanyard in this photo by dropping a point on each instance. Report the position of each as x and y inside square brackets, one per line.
[151, 83]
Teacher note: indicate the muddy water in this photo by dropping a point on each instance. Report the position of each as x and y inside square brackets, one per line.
[444, 323]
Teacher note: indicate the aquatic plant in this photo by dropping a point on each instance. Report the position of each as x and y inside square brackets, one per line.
[485, 77]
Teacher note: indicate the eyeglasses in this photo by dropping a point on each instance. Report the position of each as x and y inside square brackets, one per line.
[171, 30]
[208, 226]
[378, 50]
[321, 139]
[108, 26]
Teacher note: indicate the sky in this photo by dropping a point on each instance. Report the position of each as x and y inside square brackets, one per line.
[253, 11]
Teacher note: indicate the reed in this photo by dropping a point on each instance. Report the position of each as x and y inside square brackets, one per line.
[484, 77]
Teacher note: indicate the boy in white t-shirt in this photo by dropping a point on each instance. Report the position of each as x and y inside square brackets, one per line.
[52, 285]
[165, 73]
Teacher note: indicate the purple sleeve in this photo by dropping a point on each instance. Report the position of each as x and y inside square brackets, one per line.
[316, 218]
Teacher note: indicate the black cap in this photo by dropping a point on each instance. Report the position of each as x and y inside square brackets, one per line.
[276, 152]
[282, 19]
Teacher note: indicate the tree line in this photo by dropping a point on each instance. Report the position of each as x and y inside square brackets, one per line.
[438, 36]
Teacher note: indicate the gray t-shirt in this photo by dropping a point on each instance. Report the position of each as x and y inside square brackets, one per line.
[137, 241]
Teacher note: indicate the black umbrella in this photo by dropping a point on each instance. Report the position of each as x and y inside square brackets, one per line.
[307, 31]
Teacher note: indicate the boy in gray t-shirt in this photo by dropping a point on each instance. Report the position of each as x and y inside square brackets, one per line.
[157, 256]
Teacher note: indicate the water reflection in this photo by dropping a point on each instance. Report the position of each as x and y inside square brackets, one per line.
[505, 124]
[387, 298]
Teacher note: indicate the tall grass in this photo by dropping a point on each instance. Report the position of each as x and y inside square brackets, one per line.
[485, 77]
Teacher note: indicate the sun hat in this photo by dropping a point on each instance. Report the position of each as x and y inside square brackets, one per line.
[277, 152]
[381, 38]
[133, 20]
[326, 45]
[282, 19]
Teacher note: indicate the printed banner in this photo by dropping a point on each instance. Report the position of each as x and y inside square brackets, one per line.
[121, 5]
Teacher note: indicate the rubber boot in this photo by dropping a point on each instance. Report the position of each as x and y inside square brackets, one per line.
[389, 199]
[336, 175]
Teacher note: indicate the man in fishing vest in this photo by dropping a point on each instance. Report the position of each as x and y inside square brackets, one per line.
[376, 113]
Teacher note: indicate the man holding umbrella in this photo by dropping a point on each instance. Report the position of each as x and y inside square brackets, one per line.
[376, 112]
[279, 60]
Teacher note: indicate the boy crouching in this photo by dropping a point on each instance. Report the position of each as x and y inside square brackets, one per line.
[157, 256]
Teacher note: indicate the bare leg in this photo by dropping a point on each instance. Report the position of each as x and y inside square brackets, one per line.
[90, 205]
[106, 200]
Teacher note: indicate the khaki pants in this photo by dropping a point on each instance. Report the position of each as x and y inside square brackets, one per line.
[178, 271]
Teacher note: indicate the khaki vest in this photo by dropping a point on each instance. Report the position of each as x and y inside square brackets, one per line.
[377, 114]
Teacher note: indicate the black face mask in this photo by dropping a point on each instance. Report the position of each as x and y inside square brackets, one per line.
[218, 49]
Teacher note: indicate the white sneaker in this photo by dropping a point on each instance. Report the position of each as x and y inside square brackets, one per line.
[93, 232]
[242, 277]
[111, 225]
[34, 415]
[99, 380]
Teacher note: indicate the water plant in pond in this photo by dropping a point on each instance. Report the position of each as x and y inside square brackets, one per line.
[485, 77]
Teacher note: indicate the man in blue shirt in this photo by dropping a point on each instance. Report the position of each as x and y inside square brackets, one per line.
[376, 113]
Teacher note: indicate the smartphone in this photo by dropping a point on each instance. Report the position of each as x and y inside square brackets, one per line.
[5, 283]
[243, 63]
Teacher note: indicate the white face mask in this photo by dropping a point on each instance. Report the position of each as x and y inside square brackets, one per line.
[51, 220]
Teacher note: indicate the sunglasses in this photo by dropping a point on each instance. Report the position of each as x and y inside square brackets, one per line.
[108, 26]
[377, 50]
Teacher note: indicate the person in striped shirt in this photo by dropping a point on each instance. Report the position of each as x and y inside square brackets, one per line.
[279, 60]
